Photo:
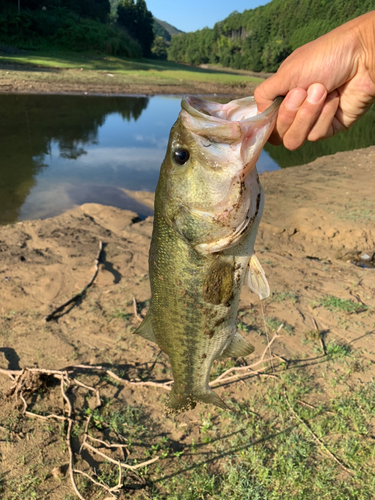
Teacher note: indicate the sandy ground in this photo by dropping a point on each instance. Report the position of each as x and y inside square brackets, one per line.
[318, 219]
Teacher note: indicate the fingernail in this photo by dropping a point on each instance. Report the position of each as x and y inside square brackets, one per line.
[294, 100]
[315, 93]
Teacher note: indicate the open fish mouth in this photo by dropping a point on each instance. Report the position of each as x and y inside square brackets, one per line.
[239, 110]
[234, 123]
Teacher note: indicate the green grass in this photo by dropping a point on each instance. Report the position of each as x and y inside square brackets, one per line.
[282, 296]
[138, 70]
[338, 349]
[335, 304]
[271, 455]
[274, 324]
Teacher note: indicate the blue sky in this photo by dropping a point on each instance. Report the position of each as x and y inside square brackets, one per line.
[192, 15]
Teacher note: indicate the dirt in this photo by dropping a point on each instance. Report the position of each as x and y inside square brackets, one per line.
[36, 80]
[318, 220]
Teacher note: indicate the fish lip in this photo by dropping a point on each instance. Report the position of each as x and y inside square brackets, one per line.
[189, 102]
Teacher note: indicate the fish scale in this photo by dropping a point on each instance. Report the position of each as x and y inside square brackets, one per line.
[208, 204]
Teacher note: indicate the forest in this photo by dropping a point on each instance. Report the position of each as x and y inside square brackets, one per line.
[126, 27]
[260, 39]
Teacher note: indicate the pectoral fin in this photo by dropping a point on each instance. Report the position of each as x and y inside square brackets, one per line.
[145, 329]
[256, 279]
[238, 347]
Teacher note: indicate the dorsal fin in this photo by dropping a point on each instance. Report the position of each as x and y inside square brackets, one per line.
[145, 329]
[256, 278]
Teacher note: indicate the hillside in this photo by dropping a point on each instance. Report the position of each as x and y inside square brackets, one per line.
[260, 39]
[171, 30]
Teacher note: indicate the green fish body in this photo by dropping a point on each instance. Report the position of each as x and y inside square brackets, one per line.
[208, 204]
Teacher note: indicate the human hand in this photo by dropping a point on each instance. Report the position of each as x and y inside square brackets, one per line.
[328, 83]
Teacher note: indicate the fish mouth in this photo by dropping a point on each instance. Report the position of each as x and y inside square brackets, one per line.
[235, 123]
[239, 110]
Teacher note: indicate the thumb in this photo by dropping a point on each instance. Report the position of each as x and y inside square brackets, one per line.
[268, 90]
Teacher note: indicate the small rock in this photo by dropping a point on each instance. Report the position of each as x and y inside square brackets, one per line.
[365, 256]
[58, 471]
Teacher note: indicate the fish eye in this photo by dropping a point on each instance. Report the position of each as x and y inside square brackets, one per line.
[181, 156]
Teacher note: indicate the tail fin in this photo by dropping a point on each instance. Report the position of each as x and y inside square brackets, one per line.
[181, 402]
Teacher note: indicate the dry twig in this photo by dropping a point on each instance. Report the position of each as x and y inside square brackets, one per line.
[320, 337]
[23, 382]
[138, 316]
[303, 403]
[316, 438]
[82, 292]
[162, 385]
[248, 368]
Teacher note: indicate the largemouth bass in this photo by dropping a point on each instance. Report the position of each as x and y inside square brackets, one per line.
[208, 204]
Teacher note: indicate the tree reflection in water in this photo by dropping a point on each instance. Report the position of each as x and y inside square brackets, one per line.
[29, 124]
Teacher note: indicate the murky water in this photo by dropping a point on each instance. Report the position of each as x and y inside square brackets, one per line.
[61, 151]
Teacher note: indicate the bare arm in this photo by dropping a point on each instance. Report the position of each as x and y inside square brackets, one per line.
[328, 83]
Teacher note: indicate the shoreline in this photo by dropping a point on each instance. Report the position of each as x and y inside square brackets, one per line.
[23, 79]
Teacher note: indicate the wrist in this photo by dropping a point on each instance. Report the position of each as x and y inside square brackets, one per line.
[365, 29]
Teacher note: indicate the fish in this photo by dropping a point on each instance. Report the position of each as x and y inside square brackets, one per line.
[208, 204]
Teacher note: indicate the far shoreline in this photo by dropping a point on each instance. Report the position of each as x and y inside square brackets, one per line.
[28, 78]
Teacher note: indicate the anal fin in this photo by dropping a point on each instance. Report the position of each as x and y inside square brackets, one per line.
[237, 347]
[145, 329]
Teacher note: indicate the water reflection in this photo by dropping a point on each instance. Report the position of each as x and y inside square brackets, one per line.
[58, 151]
[361, 135]
[50, 131]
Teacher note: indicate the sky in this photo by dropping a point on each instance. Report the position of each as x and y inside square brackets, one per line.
[192, 15]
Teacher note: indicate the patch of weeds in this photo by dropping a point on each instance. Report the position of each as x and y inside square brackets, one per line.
[160, 448]
[357, 211]
[282, 296]
[96, 417]
[243, 327]
[337, 349]
[126, 420]
[107, 474]
[313, 335]
[23, 487]
[314, 304]
[273, 324]
[335, 304]
[122, 314]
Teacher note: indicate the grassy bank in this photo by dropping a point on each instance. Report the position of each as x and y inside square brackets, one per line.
[78, 72]
[88, 67]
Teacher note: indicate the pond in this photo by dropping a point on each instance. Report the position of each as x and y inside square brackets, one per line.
[62, 151]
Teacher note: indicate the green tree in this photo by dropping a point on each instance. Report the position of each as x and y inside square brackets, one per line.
[138, 22]
[260, 39]
[93, 9]
[159, 48]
